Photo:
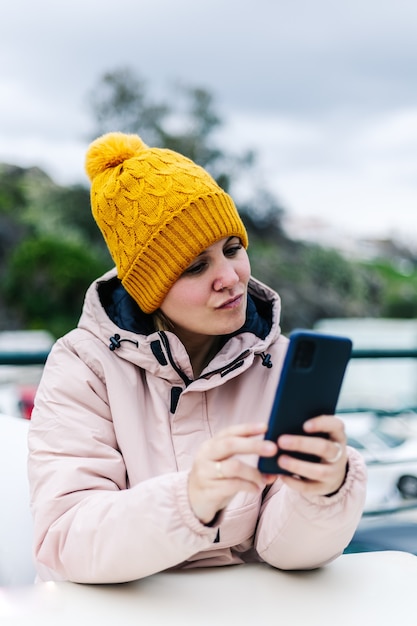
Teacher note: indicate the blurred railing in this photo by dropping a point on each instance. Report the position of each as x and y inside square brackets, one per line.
[39, 358]
[23, 358]
[384, 353]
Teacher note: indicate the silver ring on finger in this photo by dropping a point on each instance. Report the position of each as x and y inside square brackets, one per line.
[338, 454]
[219, 471]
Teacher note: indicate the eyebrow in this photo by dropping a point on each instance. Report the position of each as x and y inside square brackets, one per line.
[227, 241]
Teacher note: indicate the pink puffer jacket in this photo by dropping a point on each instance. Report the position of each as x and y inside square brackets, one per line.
[116, 424]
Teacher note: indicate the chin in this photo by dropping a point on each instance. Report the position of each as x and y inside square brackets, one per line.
[234, 327]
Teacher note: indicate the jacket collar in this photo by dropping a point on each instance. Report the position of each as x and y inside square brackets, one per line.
[127, 315]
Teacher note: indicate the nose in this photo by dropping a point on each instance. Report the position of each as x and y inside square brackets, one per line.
[226, 277]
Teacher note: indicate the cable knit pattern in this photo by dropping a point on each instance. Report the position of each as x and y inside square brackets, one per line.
[157, 211]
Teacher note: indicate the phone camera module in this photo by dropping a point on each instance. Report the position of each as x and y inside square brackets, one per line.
[304, 353]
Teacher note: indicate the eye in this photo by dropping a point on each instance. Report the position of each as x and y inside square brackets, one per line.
[195, 269]
[232, 251]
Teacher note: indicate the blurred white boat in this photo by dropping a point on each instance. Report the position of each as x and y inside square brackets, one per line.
[18, 383]
[391, 457]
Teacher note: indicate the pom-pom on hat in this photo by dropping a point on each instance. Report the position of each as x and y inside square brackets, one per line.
[157, 211]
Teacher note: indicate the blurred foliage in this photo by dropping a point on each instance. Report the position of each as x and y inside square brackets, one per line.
[47, 278]
[51, 248]
[314, 282]
[186, 121]
[399, 277]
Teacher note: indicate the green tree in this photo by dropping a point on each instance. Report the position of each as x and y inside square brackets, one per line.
[399, 277]
[66, 213]
[47, 279]
[13, 204]
[187, 124]
[313, 282]
[120, 101]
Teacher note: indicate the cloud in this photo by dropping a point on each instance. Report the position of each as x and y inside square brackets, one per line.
[324, 91]
[359, 173]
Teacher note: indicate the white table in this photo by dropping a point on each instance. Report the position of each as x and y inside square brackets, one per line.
[370, 589]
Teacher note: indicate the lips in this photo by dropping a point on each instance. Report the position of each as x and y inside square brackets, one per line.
[231, 303]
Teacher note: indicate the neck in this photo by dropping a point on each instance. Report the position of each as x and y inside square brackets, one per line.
[201, 350]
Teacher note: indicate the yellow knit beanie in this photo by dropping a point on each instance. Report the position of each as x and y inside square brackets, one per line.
[157, 211]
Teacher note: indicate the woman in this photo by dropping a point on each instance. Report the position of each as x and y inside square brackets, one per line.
[150, 416]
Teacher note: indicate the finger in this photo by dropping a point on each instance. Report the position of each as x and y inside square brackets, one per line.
[333, 426]
[300, 484]
[338, 454]
[305, 444]
[237, 474]
[323, 479]
[227, 447]
[316, 478]
[219, 470]
[327, 450]
[243, 430]
[239, 439]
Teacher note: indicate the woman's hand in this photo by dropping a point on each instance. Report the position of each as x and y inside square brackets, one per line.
[219, 471]
[325, 477]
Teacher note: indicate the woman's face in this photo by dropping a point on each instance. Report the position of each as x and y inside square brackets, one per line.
[209, 298]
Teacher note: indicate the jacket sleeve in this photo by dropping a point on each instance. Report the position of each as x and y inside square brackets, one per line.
[296, 532]
[88, 525]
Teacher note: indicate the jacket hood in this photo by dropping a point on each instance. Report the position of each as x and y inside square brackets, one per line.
[109, 312]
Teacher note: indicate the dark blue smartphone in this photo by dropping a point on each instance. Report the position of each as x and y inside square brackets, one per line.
[309, 385]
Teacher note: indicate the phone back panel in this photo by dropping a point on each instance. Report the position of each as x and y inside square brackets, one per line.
[309, 385]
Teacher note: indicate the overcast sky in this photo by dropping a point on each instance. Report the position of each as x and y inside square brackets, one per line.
[324, 91]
